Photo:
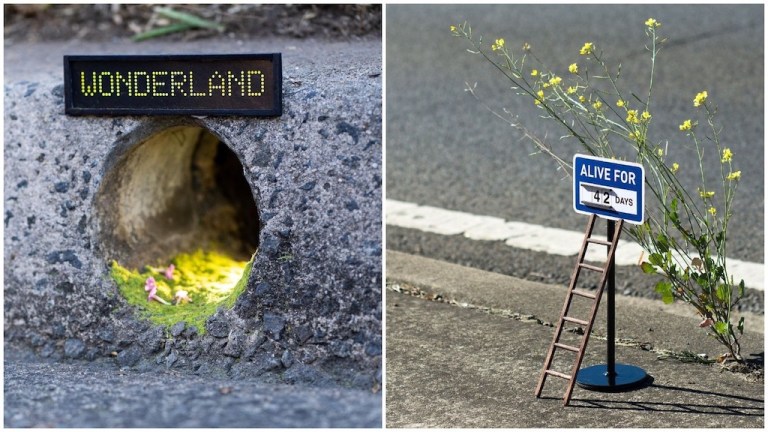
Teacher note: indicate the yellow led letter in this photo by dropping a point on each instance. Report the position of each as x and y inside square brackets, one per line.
[178, 84]
[156, 83]
[192, 87]
[222, 85]
[101, 84]
[88, 90]
[118, 78]
[260, 84]
[136, 84]
[241, 82]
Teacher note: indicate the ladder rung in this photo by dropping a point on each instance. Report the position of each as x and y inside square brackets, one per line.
[584, 294]
[566, 347]
[591, 267]
[598, 241]
[558, 374]
[575, 320]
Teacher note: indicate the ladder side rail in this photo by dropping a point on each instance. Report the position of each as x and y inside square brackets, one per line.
[566, 305]
[593, 313]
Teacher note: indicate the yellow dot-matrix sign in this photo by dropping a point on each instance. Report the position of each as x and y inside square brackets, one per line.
[235, 84]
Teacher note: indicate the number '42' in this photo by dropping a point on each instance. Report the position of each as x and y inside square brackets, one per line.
[606, 195]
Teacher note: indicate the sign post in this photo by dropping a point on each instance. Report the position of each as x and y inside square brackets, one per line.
[613, 190]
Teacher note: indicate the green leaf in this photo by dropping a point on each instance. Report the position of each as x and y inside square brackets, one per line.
[702, 242]
[720, 239]
[656, 259]
[741, 288]
[665, 289]
[718, 272]
[188, 19]
[162, 31]
[674, 218]
[741, 325]
[709, 263]
[662, 243]
[686, 276]
[648, 268]
[720, 327]
[723, 292]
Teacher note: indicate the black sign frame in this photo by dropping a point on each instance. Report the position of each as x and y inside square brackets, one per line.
[274, 109]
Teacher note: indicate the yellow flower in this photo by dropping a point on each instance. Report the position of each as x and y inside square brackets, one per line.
[555, 80]
[545, 85]
[712, 211]
[652, 23]
[700, 99]
[573, 68]
[619, 103]
[646, 115]
[734, 175]
[632, 116]
[571, 90]
[686, 125]
[526, 46]
[675, 167]
[498, 45]
[632, 136]
[586, 49]
[582, 98]
[453, 29]
[660, 152]
[705, 194]
[727, 155]
[597, 105]
[535, 72]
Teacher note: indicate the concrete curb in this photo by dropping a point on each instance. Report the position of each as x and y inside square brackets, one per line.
[674, 326]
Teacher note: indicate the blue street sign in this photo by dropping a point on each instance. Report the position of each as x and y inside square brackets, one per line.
[609, 188]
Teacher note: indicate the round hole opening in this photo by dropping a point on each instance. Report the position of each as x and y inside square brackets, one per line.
[178, 222]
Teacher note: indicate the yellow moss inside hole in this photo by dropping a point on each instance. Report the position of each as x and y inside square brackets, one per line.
[211, 279]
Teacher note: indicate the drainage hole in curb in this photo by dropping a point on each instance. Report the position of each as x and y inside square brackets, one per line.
[179, 225]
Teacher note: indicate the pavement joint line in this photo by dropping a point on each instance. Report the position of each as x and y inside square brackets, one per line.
[683, 356]
[522, 235]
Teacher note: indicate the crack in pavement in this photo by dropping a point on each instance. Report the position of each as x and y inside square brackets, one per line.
[751, 372]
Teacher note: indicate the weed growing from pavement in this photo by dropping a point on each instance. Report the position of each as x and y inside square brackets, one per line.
[686, 238]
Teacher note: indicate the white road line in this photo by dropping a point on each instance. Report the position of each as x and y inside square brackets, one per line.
[538, 238]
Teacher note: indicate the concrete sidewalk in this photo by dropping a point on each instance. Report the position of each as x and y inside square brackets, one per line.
[473, 359]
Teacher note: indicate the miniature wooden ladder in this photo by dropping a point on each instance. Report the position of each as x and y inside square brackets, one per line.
[587, 325]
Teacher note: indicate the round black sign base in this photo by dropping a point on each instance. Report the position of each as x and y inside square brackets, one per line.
[596, 378]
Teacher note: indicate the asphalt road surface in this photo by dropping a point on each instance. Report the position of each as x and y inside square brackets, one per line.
[44, 393]
[445, 150]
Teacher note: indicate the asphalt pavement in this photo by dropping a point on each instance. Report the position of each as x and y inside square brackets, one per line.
[50, 394]
[466, 351]
[445, 150]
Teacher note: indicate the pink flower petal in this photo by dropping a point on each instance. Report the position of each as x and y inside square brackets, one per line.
[150, 284]
[151, 287]
[169, 272]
